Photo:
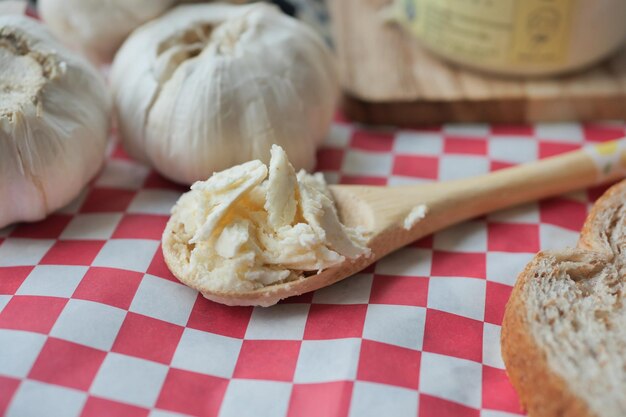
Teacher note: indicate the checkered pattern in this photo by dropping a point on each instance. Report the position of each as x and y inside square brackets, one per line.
[92, 323]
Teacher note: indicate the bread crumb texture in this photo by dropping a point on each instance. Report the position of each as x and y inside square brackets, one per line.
[570, 304]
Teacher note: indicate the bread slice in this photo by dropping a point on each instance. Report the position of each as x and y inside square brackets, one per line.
[564, 329]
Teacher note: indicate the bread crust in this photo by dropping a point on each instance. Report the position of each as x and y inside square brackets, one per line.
[589, 235]
[542, 392]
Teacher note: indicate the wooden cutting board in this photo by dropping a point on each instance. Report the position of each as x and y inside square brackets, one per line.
[389, 79]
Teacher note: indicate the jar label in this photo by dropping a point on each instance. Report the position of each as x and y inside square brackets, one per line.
[492, 31]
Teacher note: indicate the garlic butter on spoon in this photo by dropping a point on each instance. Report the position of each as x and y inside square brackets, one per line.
[252, 227]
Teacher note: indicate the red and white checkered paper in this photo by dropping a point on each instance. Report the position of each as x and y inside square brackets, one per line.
[93, 324]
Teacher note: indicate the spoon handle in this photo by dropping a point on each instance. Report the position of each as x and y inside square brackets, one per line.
[470, 197]
[450, 202]
[386, 212]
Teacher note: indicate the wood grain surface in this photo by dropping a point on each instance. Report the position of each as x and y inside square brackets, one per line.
[388, 78]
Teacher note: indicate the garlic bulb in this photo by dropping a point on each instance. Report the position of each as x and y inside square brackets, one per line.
[206, 87]
[13, 7]
[54, 121]
[98, 27]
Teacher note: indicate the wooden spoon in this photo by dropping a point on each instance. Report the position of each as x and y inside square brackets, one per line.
[382, 210]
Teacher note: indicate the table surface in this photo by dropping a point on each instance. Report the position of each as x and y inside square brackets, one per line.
[92, 323]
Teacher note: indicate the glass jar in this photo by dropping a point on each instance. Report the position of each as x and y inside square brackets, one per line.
[517, 37]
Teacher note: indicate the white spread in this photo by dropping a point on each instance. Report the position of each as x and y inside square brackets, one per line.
[415, 215]
[252, 226]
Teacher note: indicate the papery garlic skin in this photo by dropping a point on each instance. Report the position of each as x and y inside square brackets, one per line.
[54, 121]
[97, 28]
[206, 87]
